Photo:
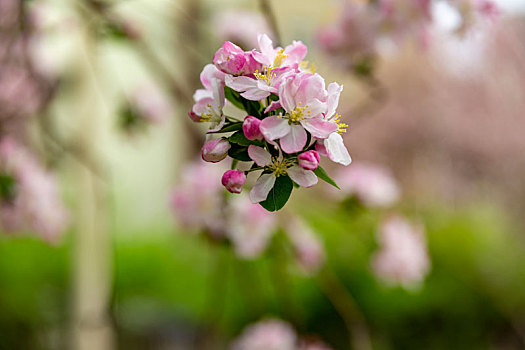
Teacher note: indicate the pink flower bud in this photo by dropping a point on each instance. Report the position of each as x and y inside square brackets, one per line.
[231, 59]
[215, 150]
[234, 180]
[309, 160]
[321, 148]
[251, 128]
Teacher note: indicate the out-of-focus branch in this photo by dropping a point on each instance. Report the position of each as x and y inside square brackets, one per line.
[376, 100]
[346, 307]
[266, 9]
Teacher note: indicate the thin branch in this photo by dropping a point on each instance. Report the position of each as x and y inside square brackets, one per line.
[267, 11]
[346, 307]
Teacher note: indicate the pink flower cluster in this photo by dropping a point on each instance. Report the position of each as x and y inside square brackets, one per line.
[30, 200]
[273, 334]
[288, 118]
[402, 258]
[353, 39]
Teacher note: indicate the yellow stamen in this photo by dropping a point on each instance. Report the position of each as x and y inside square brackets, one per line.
[279, 166]
[266, 75]
[298, 114]
[279, 58]
[307, 67]
[341, 127]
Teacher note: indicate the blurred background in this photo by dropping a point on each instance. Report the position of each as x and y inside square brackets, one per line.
[110, 235]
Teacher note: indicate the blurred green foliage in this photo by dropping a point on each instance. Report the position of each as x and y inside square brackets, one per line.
[172, 288]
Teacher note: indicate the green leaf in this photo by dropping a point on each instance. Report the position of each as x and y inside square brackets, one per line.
[253, 108]
[240, 139]
[321, 173]
[228, 128]
[279, 194]
[239, 152]
[234, 97]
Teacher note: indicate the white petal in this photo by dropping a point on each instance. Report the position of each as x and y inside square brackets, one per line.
[262, 187]
[259, 155]
[334, 92]
[336, 149]
[304, 178]
[274, 127]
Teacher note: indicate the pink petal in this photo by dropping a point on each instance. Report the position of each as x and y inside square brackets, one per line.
[273, 106]
[295, 140]
[274, 127]
[336, 149]
[255, 94]
[262, 187]
[240, 83]
[319, 128]
[296, 53]
[304, 178]
[286, 95]
[259, 155]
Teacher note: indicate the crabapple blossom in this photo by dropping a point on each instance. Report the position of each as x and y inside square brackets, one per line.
[214, 151]
[231, 59]
[372, 184]
[277, 167]
[252, 128]
[309, 160]
[233, 180]
[290, 116]
[402, 258]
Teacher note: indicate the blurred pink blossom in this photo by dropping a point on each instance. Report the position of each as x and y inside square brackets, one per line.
[267, 335]
[240, 27]
[250, 227]
[33, 203]
[150, 103]
[372, 184]
[402, 258]
[309, 250]
[196, 201]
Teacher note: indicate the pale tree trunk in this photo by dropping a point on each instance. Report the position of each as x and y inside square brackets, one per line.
[92, 257]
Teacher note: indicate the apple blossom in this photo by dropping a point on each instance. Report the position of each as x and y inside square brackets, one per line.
[309, 160]
[290, 119]
[214, 151]
[233, 180]
[252, 128]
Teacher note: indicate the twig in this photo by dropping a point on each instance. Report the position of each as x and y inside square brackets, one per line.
[268, 13]
[346, 307]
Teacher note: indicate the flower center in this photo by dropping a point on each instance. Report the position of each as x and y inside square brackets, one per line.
[307, 67]
[278, 166]
[299, 114]
[279, 58]
[210, 115]
[266, 75]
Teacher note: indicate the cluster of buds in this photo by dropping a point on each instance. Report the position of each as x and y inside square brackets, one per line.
[283, 119]
[355, 37]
